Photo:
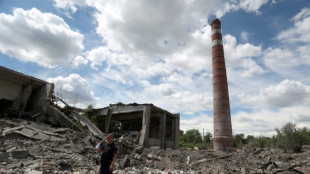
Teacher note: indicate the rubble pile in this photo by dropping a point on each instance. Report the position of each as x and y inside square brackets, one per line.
[247, 160]
[28, 147]
[33, 148]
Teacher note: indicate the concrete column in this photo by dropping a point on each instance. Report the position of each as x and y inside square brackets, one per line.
[163, 130]
[145, 126]
[107, 121]
[176, 131]
[223, 139]
[25, 97]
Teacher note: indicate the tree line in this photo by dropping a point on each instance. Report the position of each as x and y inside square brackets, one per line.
[288, 137]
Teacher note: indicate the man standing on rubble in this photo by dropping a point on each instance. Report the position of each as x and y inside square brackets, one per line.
[108, 155]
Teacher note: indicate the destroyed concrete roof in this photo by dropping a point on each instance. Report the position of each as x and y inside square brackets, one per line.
[17, 77]
[132, 107]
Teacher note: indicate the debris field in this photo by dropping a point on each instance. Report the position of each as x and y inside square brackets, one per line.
[27, 147]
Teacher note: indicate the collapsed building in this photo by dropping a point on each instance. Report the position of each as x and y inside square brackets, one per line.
[24, 96]
[158, 127]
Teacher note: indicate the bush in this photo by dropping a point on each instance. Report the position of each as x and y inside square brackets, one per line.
[289, 137]
[207, 139]
[262, 142]
[239, 140]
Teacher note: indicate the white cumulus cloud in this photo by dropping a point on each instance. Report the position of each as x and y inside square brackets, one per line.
[287, 93]
[262, 122]
[43, 38]
[70, 4]
[300, 32]
[252, 5]
[74, 90]
[292, 56]
[79, 60]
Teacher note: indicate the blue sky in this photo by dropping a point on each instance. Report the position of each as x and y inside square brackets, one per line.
[103, 52]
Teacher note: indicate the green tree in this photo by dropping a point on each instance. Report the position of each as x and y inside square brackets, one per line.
[289, 137]
[239, 140]
[192, 136]
[207, 139]
[250, 138]
[89, 107]
[304, 136]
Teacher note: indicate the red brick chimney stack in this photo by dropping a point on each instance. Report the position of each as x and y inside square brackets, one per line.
[222, 135]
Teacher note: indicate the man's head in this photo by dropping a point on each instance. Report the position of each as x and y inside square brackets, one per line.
[110, 138]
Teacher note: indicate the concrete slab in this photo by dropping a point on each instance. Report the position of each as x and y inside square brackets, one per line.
[41, 136]
[53, 138]
[40, 126]
[33, 134]
[88, 124]
[58, 130]
[10, 130]
[62, 119]
[20, 154]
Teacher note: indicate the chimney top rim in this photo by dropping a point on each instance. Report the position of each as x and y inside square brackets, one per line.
[216, 20]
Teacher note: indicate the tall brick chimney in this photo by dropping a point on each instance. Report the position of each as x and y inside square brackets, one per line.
[222, 137]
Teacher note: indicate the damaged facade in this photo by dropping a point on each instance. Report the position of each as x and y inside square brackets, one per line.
[25, 96]
[157, 127]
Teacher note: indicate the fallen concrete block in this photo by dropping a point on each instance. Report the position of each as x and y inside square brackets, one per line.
[304, 170]
[65, 166]
[20, 154]
[139, 149]
[4, 156]
[149, 156]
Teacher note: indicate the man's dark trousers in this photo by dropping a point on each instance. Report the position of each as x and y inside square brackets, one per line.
[105, 169]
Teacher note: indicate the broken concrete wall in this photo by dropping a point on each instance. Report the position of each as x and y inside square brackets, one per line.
[9, 91]
[21, 93]
[40, 98]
